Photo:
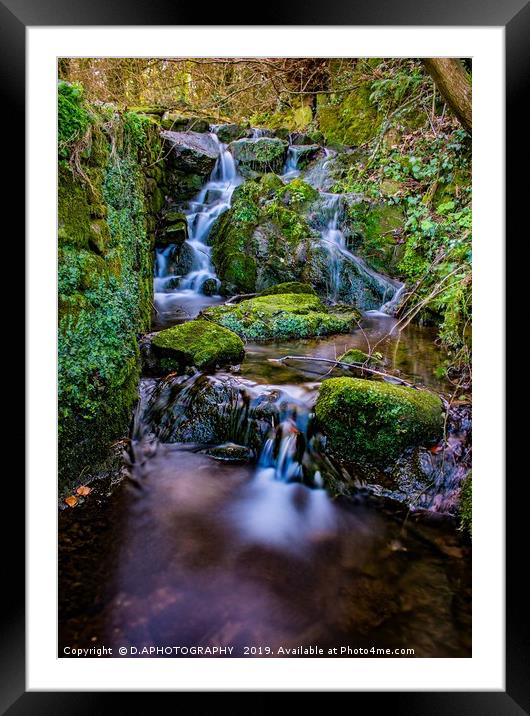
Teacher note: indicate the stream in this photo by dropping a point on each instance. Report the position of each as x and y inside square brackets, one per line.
[259, 549]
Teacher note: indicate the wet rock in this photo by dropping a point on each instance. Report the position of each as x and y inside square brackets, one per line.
[197, 343]
[231, 132]
[182, 262]
[210, 287]
[193, 151]
[207, 409]
[174, 229]
[305, 153]
[300, 138]
[191, 157]
[175, 122]
[259, 156]
[282, 316]
[366, 420]
[231, 453]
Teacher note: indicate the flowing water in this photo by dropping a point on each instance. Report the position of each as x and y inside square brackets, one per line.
[234, 529]
[188, 297]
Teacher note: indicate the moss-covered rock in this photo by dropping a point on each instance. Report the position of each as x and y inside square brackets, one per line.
[176, 122]
[190, 159]
[106, 219]
[283, 316]
[370, 421]
[258, 156]
[378, 229]
[352, 121]
[173, 229]
[231, 132]
[288, 287]
[355, 355]
[197, 343]
[264, 238]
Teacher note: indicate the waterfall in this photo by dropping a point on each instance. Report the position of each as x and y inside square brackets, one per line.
[290, 170]
[334, 242]
[212, 200]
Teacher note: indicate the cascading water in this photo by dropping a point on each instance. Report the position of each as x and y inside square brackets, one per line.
[291, 170]
[201, 212]
[334, 242]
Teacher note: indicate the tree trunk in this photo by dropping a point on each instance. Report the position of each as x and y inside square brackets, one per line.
[452, 81]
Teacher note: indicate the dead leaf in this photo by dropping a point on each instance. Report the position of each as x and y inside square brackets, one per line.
[71, 500]
[436, 449]
[83, 490]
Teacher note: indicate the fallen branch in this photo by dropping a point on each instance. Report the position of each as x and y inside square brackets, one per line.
[359, 366]
[240, 297]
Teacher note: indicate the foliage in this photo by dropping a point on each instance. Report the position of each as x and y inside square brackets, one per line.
[73, 117]
[427, 179]
[466, 511]
[105, 288]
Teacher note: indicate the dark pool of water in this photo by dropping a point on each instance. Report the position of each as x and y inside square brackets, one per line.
[209, 554]
[204, 553]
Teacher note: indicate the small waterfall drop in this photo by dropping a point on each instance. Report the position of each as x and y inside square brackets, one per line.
[291, 170]
[201, 212]
[334, 242]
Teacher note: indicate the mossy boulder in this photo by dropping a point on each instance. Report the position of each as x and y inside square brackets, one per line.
[258, 156]
[264, 238]
[355, 355]
[173, 229]
[190, 159]
[197, 343]
[176, 122]
[377, 229]
[288, 287]
[231, 132]
[281, 316]
[374, 422]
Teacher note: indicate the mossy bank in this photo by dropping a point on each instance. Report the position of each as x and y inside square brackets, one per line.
[111, 187]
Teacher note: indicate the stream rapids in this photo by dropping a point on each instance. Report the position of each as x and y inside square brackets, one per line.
[234, 530]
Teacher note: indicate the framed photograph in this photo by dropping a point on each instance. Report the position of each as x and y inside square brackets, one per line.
[266, 287]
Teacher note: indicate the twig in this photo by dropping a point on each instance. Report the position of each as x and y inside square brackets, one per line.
[359, 366]
[240, 297]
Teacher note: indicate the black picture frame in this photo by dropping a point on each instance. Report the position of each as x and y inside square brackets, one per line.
[514, 16]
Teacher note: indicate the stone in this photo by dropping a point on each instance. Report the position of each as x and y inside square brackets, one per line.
[281, 316]
[374, 422]
[198, 343]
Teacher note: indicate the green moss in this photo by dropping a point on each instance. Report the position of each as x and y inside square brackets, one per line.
[291, 225]
[466, 504]
[198, 343]
[282, 316]
[266, 154]
[298, 192]
[288, 287]
[365, 420]
[105, 288]
[351, 121]
[73, 117]
[270, 184]
[377, 227]
[355, 355]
